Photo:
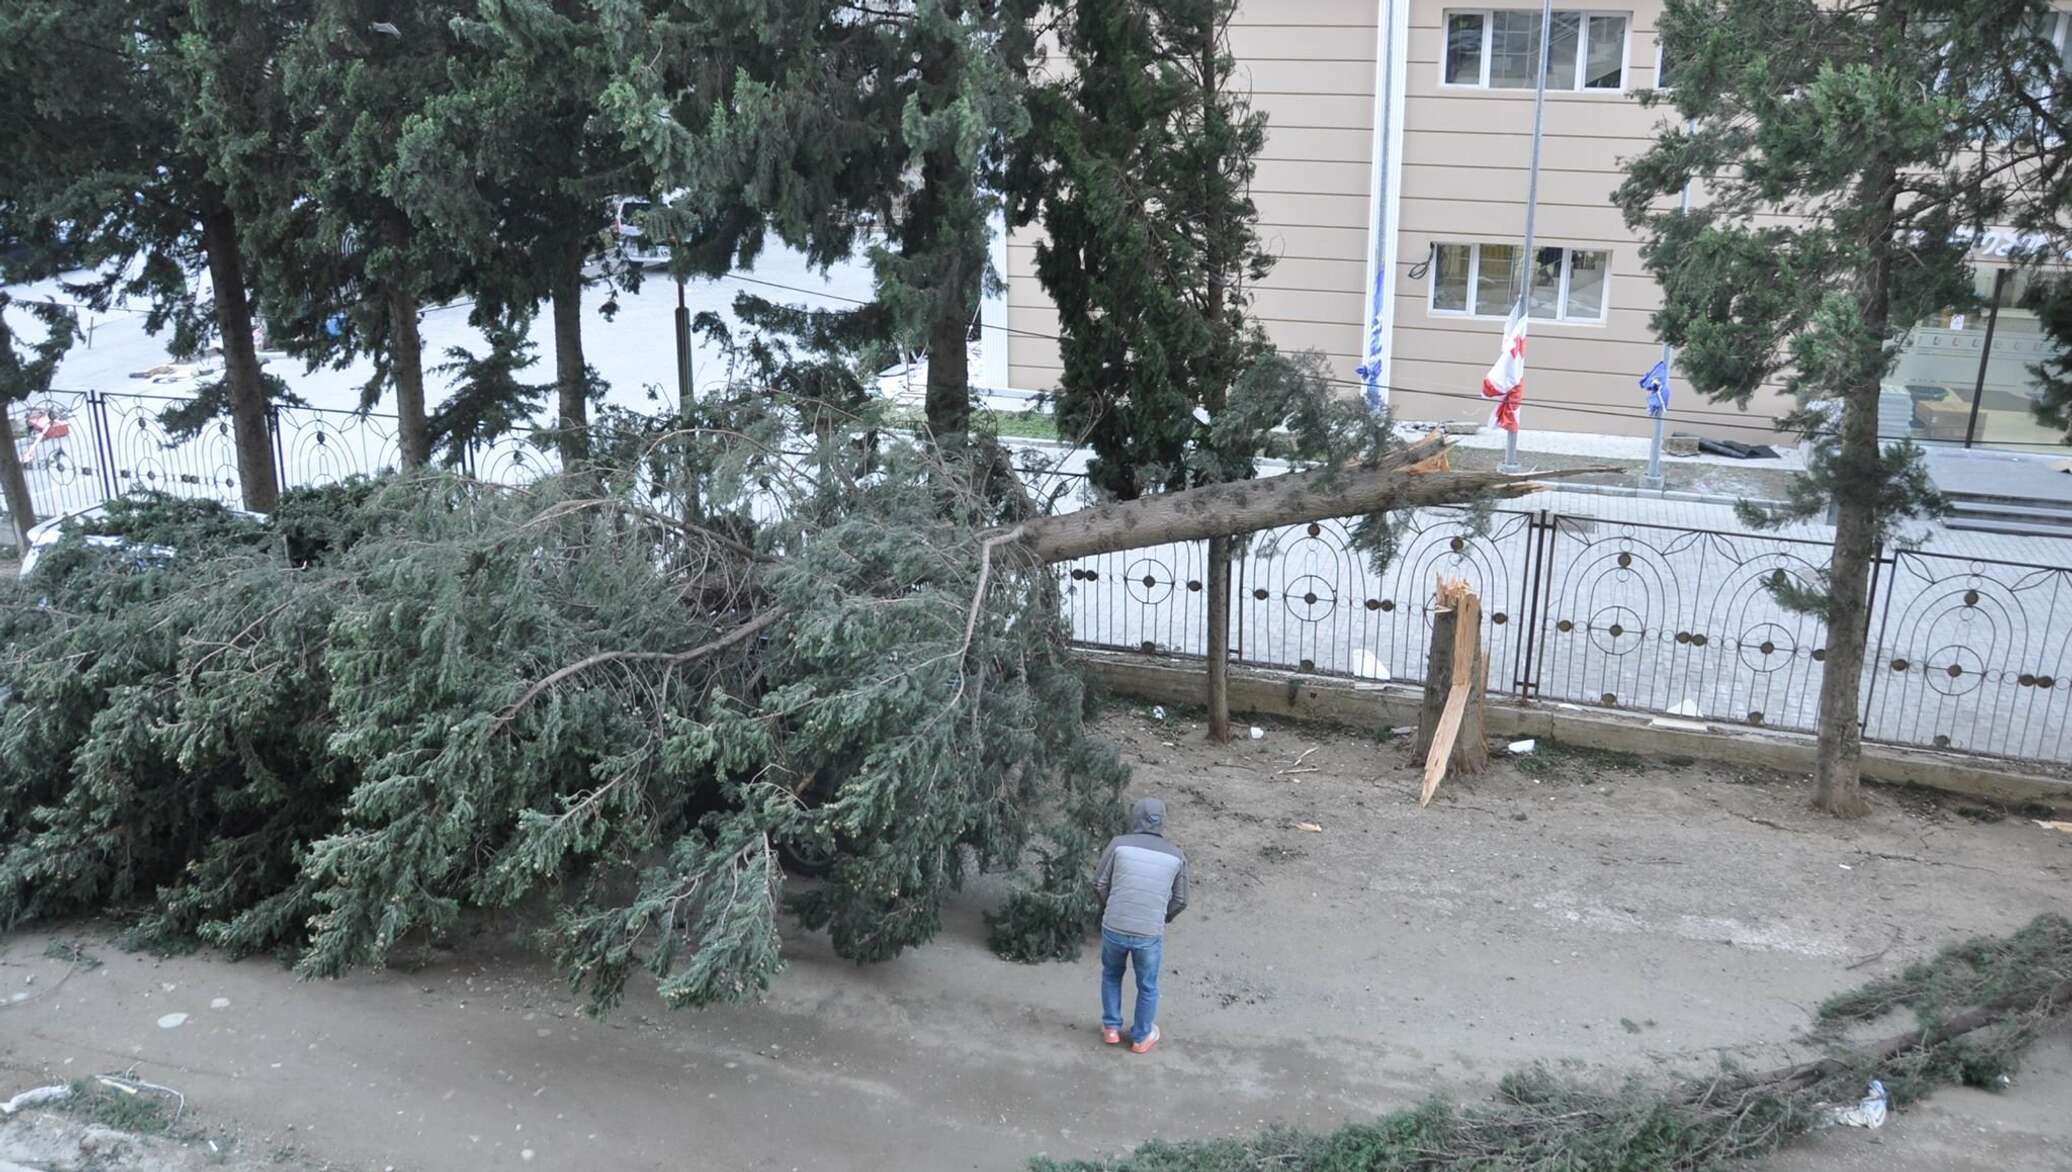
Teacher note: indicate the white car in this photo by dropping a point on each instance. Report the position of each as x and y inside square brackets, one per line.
[628, 241]
[47, 534]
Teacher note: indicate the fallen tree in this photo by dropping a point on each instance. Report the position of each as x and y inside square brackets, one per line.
[625, 695]
[1976, 1006]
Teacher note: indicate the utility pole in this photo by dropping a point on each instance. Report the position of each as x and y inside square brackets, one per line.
[1653, 480]
[1532, 198]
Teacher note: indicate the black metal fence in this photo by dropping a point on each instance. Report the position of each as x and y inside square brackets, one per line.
[1966, 654]
[81, 448]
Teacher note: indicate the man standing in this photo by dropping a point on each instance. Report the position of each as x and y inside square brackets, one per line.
[1142, 884]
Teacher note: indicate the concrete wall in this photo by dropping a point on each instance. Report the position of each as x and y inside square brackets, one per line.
[1376, 706]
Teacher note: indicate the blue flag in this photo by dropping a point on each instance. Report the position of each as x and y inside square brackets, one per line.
[1656, 383]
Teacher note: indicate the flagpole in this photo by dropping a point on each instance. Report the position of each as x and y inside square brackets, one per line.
[1532, 194]
[1653, 480]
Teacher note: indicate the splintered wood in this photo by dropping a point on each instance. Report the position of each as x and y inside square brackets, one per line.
[1450, 729]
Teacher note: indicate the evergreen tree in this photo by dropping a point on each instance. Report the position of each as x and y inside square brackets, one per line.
[1149, 245]
[488, 400]
[140, 129]
[347, 269]
[336, 732]
[513, 163]
[1845, 155]
[26, 367]
[829, 127]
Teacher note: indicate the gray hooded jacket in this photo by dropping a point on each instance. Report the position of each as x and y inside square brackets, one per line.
[1142, 879]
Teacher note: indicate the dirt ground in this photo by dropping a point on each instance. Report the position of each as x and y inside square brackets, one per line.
[1575, 909]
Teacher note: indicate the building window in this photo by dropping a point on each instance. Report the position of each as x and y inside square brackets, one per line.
[1500, 49]
[1481, 280]
[1665, 66]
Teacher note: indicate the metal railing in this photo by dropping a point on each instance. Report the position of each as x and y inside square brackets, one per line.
[1966, 654]
[1969, 655]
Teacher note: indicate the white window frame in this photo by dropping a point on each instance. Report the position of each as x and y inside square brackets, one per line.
[1661, 54]
[1475, 311]
[1575, 82]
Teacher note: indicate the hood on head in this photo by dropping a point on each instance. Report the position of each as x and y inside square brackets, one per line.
[1148, 816]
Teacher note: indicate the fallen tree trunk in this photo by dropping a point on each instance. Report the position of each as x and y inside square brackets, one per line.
[1413, 476]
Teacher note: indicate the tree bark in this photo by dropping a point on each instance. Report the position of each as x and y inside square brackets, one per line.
[1838, 763]
[951, 281]
[250, 432]
[953, 305]
[1219, 639]
[1247, 506]
[571, 374]
[406, 358]
[1214, 395]
[21, 510]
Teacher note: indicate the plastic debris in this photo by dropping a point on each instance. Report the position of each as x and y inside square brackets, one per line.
[2061, 827]
[172, 1021]
[129, 1084]
[1158, 712]
[1868, 1113]
[1521, 748]
[1258, 734]
[1311, 827]
[29, 1098]
[1684, 707]
[1367, 665]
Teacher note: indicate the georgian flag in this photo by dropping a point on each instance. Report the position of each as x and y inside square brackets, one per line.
[1505, 381]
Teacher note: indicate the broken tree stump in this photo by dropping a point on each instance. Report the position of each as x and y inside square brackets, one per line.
[1451, 735]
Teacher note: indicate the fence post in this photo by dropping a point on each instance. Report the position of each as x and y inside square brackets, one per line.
[104, 444]
[1881, 565]
[280, 454]
[1526, 677]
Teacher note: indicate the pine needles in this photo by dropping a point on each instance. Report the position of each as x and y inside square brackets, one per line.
[336, 733]
[2007, 989]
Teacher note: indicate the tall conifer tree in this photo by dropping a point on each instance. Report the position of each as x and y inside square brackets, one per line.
[1150, 243]
[1844, 156]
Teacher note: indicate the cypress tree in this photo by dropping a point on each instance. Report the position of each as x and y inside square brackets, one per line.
[1845, 156]
[347, 268]
[511, 162]
[1144, 191]
[26, 367]
[141, 130]
[891, 133]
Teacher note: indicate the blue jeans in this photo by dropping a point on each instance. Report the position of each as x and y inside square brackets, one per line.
[1141, 953]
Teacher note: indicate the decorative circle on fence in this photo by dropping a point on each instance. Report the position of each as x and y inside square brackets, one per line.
[1954, 669]
[1616, 630]
[1149, 581]
[1310, 598]
[1767, 647]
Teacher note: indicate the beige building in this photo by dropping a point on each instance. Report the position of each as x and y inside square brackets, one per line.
[1393, 189]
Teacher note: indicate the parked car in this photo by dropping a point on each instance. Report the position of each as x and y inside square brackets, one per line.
[47, 533]
[628, 241]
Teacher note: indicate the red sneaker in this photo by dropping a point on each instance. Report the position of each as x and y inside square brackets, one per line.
[1144, 1047]
[1111, 1035]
